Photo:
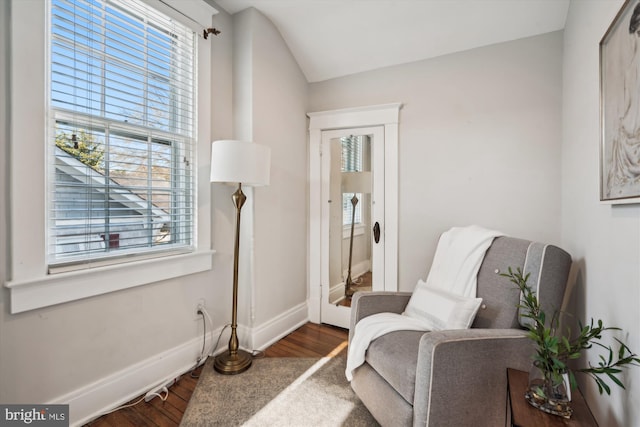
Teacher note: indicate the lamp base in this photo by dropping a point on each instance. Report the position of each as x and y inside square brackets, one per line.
[348, 287]
[231, 364]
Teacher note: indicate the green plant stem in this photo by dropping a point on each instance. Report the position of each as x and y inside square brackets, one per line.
[554, 350]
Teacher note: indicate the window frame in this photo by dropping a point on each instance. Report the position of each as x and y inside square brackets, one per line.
[69, 262]
[30, 284]
[352, 166]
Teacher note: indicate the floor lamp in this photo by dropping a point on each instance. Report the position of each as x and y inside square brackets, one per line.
[241, 163]
[354, 182]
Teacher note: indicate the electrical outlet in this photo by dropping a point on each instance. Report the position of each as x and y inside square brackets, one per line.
[200, 303]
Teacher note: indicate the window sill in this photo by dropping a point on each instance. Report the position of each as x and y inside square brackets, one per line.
[59, 288]
[358, 230]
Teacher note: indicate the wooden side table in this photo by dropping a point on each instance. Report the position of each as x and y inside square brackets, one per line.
[525, 415]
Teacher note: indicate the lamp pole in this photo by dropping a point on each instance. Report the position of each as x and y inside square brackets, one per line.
[234, 361]
[348, 292]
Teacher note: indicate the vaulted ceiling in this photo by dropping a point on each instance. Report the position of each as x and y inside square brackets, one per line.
[333, 38]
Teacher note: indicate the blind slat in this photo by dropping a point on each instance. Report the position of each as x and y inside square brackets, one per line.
[351, 162]
[122, 98]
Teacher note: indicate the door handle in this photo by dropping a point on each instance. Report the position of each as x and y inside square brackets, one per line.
[376, 232]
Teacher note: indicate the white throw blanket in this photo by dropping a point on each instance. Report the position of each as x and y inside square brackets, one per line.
[458, 257]
[372, 327]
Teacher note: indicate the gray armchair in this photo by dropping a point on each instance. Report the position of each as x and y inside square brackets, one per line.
[459, 377]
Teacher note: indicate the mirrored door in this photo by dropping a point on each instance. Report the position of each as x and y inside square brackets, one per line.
[353, 191]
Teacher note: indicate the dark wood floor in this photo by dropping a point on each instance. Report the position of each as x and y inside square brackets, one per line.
[310, 340]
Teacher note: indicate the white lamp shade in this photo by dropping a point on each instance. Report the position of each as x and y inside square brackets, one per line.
[356, 182]
[240, 162]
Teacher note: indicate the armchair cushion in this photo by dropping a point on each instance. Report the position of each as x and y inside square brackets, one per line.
[394, 356]
[441, 309]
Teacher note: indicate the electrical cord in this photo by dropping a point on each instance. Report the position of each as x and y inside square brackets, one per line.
[255, 354]
[204, 337]
[208, 317]
[204, 342]
[164, 398]
[211, 324]
[202, 312]
[164, 390]
[204, 355]
[220, 336]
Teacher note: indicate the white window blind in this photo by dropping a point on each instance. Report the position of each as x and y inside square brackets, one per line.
[122, 126]
[351, 162]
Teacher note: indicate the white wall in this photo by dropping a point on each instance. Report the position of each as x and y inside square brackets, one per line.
[97, 352]
[270, 101]
[479, 141]
[604, 240]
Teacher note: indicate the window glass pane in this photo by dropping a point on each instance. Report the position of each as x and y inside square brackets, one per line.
[122, 95]
[351, 162]
[347, 209]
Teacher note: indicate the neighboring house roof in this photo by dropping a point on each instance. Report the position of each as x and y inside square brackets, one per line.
[73, 167]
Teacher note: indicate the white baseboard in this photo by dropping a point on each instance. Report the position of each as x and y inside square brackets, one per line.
[95, 399]
[359, 268]
[280, 326]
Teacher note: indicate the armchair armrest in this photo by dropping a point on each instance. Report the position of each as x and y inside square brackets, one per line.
[365, 304]
[467, 366]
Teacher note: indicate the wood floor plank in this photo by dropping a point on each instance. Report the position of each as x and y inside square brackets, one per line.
[134, 418]
[319, 347]
[154, 416]
[182, 391]
[173, 407]
[310, 340]
[276, 352]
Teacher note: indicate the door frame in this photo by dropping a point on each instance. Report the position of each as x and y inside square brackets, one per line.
[386, 115]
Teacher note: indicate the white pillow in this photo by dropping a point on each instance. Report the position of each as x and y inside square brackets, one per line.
[440, 309]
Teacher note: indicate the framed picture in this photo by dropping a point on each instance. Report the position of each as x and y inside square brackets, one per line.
[620, 107]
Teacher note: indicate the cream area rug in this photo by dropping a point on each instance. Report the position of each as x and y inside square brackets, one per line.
[297, 392]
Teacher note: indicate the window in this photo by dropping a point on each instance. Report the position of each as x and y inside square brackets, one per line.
[122, 131]
[105, 169]
[351, 162]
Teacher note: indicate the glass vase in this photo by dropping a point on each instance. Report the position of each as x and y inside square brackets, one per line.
[537, 388]
[559, 396]
[550, 396]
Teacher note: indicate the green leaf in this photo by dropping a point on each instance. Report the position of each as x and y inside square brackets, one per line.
[553, 349]
[615, 380]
